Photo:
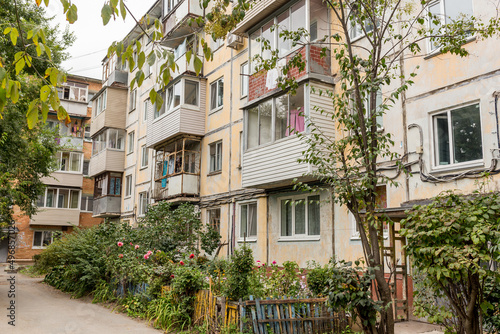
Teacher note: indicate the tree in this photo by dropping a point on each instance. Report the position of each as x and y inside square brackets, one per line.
[177, 231]
[452, 241]
[351, 163]
[25, 155]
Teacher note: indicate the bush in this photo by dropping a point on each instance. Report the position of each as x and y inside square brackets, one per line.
[238, 274]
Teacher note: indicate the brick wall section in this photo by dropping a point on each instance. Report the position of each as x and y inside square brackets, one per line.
[86, 220]
[257, 82]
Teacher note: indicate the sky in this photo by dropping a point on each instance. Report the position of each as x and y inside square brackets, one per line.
[92, 37]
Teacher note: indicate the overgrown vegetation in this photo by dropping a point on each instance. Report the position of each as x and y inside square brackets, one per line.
[455, 245]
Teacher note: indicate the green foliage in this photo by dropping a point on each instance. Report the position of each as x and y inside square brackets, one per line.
[176, 232]
[317, 279]
[492, 296]
[451, 241]
[188, 279]
[26, 155]
[349, 289]
[280, 282]
[166, 313]
[238, 275]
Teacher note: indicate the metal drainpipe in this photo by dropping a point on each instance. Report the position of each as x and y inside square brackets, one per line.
[496, 118]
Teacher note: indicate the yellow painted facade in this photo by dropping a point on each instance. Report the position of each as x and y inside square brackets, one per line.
[252, 183]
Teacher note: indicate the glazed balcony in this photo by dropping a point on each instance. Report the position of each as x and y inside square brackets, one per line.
[176, 20]
[109, 109]
[56, 217]
[183, 111]
[107, 160]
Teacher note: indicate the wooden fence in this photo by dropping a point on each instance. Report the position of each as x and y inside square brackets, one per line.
[262, 316]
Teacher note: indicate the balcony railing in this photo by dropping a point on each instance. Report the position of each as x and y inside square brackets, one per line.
[176, 22]
[181, 185]
[107, 206]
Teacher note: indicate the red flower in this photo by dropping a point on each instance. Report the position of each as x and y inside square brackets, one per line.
[181, 263]
[172, 276]
[191, 256]
[120, 256]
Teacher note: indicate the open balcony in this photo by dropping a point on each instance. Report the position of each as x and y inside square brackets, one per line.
[176, 20]
[183, 111]
[177, 170]
[107, 206]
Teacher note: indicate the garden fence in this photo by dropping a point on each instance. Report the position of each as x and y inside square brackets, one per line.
[262, 316]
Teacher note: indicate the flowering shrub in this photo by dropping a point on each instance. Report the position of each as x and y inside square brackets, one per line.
[239, 272]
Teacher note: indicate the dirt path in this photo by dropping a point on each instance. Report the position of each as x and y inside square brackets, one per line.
[40, 309]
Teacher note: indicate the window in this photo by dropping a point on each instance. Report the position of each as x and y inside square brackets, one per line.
[87, 203]
[285, 111]
[217, 94]
[128, 185]
[41, 239]
[182, 90]
[110, 138]
[216, 157]
[169, 5]
[133, 99]
[69, 162]
[293, 18]
[90, 96]
[108, 184]
[380, 203]
[457, 136]
[87, 133]
[215, 45]
[130, 147]
[213, 218]
[143, 203]
[144, 156]
[61, 198]
[191, 92]
[447, 11]
[145, 111]
[244, 79]
[248, 220]
[300, 216]
[356, 31]
[73, 91]
[101, 103]
[86, 165]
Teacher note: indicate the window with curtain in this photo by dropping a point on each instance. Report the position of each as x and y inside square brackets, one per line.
[248, 220]
[300, 216]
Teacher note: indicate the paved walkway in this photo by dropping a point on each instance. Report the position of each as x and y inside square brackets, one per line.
[40, 309]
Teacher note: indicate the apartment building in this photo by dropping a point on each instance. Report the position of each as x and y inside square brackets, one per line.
[68, 199]
[222, 139]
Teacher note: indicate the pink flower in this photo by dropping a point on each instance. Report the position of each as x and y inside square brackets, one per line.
[150, 252]
[181, 263]
[131, 243]
[258, 261]
[274, 262]
[136, 246]
[146, 256]
[120, 243]
[191, 256]
[120, 256]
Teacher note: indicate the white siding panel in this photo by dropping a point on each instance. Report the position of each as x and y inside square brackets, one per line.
[273, 163]
[56, 217]
[64, 179]
[107, 160]
[324, 120]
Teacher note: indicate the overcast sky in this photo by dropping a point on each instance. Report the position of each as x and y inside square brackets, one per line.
[92, 38]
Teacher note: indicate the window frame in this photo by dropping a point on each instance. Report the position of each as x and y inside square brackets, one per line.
[210, 221]
[33, 246]
[87, 199]
[56, 198]
[305, 112]
[128, 186]
[244, 79]
[144, 156]
[130, 142]
[101, 102]
[70, 157]
[217, 167]
[166, 109]
[143, 195]
[133, 100]
[105, 178]
[216, 83]
[249, 238]
[443, 18]
[434, 139]
[305, 199]
[145, 111]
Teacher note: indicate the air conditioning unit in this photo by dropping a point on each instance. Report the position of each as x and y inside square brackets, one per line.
[234, 41]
